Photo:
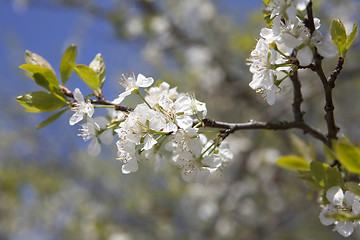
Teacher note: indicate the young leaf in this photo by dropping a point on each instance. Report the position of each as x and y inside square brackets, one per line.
[88, 75]
[46, 72]
[350, 38]
[40, 102]
[41, 80]
[292, 162]
[353, 187]
[51, 119]
[349, 156]
[98, 66]
[338, 34]
[333, 177]
[35, 59]
[329, 154]
[67, 63]
[318, 170]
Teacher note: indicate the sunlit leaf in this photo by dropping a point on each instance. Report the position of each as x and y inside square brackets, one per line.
[67, 63]
[350, 38]
[98, 65]
[348, 155]
[88, 75]
[292, 162]
[40, 102]
[35, 59]
[338, 34]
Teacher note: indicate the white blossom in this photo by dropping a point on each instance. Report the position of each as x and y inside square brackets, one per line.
[340, 202]
[131, 84]
[80, 108]
[154, 94]
[88, 132]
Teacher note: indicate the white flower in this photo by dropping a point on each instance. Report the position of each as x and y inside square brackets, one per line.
[262, 65]
[131, 84]
[340, 202]
[175, 112]
[126, 152]
[141, 123]
[154, 94]
[88, 132]
[80, 108]
[196, 107]
[261, 60]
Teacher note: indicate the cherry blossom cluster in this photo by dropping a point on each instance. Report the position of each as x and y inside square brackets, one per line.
[161, 127]
[271, 62]
[341, 203]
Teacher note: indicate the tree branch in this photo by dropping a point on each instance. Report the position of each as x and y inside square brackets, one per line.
[327, 85]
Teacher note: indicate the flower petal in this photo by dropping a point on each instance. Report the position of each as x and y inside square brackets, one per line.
[143, 81]
[75, 118]
[94, 147]
[335, 195]
[345, 228]
[78, 96]
[305, 56]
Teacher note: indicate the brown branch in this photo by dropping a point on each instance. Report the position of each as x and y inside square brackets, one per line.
[328, 85]
[280, 125]
[298, 114]
[100, 100]
[334, 74]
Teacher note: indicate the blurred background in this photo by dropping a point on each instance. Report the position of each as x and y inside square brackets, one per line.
[51, 189]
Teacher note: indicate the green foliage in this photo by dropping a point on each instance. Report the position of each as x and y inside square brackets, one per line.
[326, 176]
[51, 119]
[67, 63]
[353, 187]
[35, 59]
[293, 162]
[348, 155]
[350, 38]
[40, 102]
[88, 75]
[339, 37]
[45, 78]
[98, 65]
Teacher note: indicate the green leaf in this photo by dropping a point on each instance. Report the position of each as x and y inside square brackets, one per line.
[353, 187]
[41, 80]
[292, 162]
[329, 154]
[46, 72]
[35, 59]
[51, 119]
[98, 65]
[67, 63]
[88, 75]
[338, 34]
[318, 170]
[348, 155]
[333, 177]
[350, 38]
[40, 102]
